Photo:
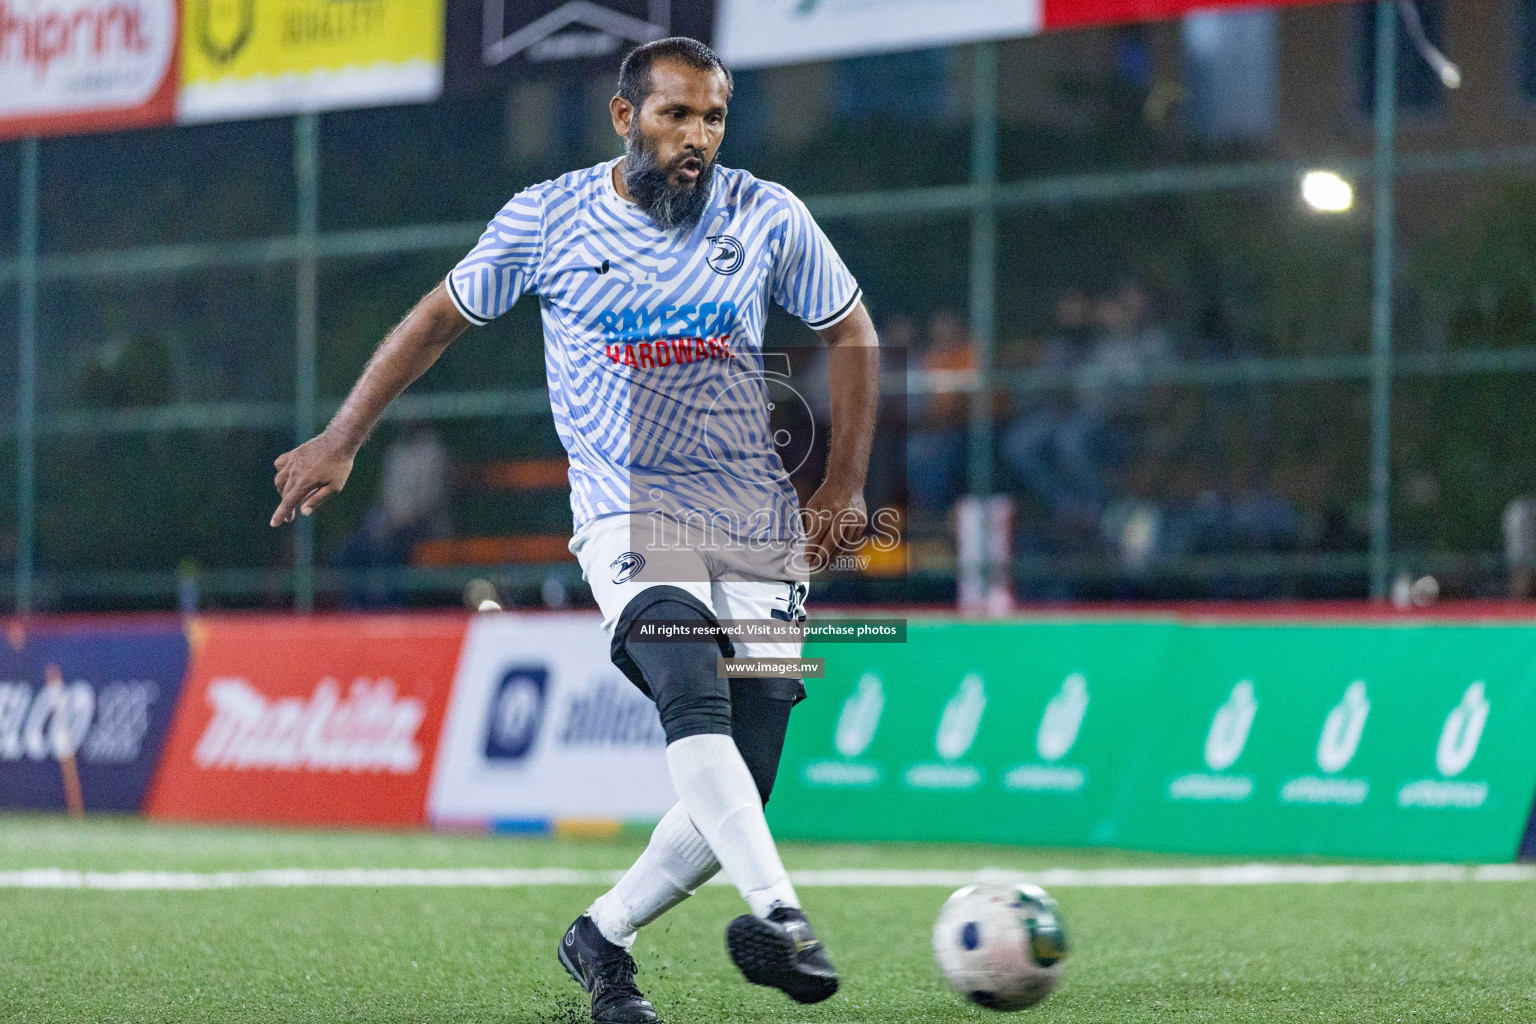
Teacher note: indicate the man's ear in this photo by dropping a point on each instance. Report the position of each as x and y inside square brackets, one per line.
[623, 113]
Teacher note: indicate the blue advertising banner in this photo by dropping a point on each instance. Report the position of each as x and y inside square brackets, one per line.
[84, 710]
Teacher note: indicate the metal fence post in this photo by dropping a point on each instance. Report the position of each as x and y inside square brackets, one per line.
[306, 167]
[983, 270]
[1381, 298]
[26, 378]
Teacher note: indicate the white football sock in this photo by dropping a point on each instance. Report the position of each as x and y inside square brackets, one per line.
[721, 799]
[675, 863]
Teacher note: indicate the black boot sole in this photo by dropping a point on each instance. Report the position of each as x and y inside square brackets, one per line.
[765, 955]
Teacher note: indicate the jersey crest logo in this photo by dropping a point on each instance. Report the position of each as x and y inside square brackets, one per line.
[602, 268]
[726, 254]
[626, 566]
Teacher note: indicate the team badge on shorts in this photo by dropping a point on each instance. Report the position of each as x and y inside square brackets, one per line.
[626, 566]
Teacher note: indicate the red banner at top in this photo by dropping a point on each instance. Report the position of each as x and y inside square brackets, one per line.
[1060, 14]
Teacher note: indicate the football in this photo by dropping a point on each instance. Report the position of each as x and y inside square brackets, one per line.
[1002, 945]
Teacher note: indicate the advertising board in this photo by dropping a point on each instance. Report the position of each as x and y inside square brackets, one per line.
[753, 33]
[542, 727]
[84, 711]
[256, 58]
[493, 42]
[1400, 741]
[86, 65]
[329, 720]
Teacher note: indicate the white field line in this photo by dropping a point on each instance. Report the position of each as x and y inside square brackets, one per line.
[500, 878]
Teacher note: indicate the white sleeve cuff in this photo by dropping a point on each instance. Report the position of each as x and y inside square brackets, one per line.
[458, 303]
[838, 317]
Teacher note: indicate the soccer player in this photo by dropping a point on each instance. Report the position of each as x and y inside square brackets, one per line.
[653, 272]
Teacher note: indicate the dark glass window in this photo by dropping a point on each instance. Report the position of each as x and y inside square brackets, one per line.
[1231, 64]
[914, 82]
[1419, 89]
[1525, 47]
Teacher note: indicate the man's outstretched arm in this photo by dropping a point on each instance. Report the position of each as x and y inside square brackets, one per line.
[836, 513]
[319, 468]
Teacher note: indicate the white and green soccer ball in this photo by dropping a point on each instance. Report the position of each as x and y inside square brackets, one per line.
[1001, 945]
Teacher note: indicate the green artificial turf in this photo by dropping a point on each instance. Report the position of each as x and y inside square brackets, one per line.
[1347, 952]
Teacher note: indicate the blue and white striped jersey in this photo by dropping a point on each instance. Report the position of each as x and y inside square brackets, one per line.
[653, 338]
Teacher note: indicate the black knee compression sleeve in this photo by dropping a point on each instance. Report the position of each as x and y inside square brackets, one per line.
[759, 722]
[680, 675]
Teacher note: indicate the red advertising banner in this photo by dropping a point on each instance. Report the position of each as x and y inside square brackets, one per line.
[331, 720]
[1061, 14]
[87, 65]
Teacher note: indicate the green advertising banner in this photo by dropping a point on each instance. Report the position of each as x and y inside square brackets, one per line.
[1390, 741]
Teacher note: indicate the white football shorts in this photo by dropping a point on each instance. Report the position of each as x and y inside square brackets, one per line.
[622, 555]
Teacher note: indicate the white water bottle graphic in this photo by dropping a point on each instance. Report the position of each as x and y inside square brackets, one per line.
[1063, 719]
[1228, 735]
[961, 719]
[1463, 732]
[860, 716]
[1341, 730]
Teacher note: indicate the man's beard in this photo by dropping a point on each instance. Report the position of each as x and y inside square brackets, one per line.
[650, 183]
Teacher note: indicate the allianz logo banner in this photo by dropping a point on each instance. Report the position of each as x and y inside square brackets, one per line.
[541, 726]
[602, 713]
[84, 712]
[1401, 741]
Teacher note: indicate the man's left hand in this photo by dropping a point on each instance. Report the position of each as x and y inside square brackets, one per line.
[835, 518]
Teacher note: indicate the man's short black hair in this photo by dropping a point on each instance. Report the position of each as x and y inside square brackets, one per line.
[635, 74]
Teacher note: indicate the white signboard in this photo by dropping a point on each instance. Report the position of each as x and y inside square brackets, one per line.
[754, 33]
[541, 727]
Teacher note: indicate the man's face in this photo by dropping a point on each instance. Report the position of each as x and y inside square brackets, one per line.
[672, 141]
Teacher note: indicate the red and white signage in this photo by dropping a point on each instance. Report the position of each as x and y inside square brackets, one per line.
[1062, 14]
[86, 65]
[753, 33]
[309, 721]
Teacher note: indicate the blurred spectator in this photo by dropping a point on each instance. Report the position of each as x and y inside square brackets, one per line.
[1520, 546]
[1062, 458]
[1114, 384]
[1029, 443]
[412, 506]
[936, 440]
[134, 374]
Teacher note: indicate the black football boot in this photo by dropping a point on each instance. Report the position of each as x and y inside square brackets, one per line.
[607, 972]
[783, 953]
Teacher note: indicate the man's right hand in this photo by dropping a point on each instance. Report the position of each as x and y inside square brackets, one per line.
[309, 474]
